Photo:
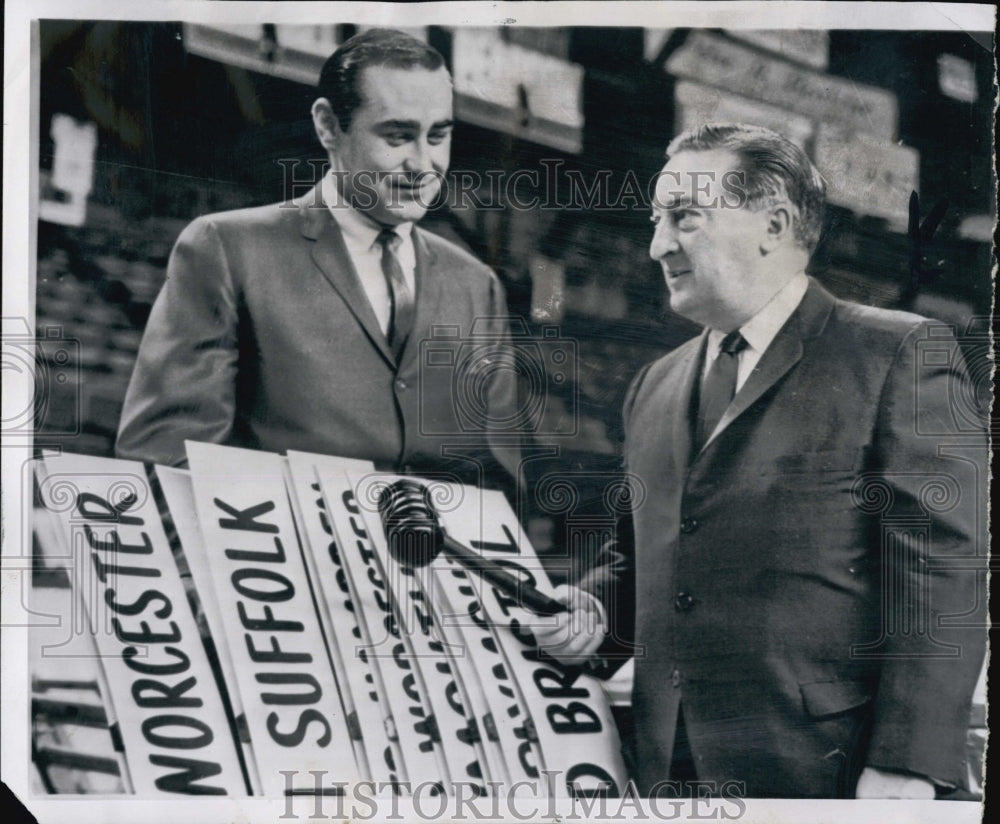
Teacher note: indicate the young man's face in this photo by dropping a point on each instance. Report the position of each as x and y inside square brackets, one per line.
[396, 149]
[705, 239]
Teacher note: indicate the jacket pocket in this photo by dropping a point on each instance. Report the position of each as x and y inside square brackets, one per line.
[831, 697]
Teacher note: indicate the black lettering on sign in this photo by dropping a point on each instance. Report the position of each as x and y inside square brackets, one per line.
[164, 695]
[140, 603]
[268, 623]
[573, 718]
[277, 557]
[341, 579]
[184, 742]
[525, 636]
[505, 601]
[276, 655]
[104, 570]
[296, 736]
[245, 519]
[427, 728]
[349, 502]
[358, 528]
[285, 593]
[509, 546]
[94, 508]
[526, 734]
[114, 543]
[191, 771]
[553, 684]
[129, 654]
[146, 635]
[310, 697]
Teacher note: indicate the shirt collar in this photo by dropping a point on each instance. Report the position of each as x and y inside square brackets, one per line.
[763, 327]
[359, 230]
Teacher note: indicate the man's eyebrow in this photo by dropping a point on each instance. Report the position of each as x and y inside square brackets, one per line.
[680, 202]
[412, 125]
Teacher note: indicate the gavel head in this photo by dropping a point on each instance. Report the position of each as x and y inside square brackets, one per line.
[411, 524]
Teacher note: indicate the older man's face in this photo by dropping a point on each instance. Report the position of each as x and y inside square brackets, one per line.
[396, 150]
[704, 238]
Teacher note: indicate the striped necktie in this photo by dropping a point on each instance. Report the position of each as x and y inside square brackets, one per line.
[401, 303]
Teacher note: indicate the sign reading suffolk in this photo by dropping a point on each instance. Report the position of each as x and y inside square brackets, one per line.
[294, 716]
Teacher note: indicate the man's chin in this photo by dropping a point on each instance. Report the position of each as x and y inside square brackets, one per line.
[403, 213]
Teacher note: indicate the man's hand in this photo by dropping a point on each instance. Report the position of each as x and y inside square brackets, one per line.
[875, 783]
[576, 633]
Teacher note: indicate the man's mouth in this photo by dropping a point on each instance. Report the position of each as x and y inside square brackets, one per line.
[672, 275]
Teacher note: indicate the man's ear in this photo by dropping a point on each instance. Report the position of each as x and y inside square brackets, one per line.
[325, 123]
[778, 227]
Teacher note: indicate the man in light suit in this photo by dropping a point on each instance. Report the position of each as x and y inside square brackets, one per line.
[809, 509]
[302, 325]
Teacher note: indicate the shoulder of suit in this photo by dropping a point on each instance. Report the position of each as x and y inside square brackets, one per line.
[251, 219]
[892, 323]
[650, 374]
[454, 255]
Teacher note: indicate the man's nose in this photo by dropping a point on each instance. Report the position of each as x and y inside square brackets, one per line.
[664, 240]
[420, 157]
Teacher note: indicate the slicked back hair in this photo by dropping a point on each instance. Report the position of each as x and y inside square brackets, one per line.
[773, 169]
[339, 79]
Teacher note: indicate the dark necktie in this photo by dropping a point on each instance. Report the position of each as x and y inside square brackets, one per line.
[718, 388]
[401, 303]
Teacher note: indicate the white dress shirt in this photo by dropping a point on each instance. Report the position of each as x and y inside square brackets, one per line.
[760, 330]
[360, 233]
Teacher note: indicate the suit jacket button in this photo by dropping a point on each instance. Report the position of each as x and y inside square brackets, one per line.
[400, 384]
[688, 525]
[675, 678]
[684, 601]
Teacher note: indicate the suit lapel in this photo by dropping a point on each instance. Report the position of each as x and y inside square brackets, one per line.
[679, 403]
[784, 352]
[331, 256]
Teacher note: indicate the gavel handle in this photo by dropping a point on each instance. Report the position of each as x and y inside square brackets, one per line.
[527, 595]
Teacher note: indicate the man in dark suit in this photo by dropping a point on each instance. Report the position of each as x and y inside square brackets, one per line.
[304, 325]
[809, 509]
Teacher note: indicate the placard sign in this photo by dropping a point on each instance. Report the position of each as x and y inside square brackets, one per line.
[294, 717]
[384, 645]
[170, 714]
[360, 680]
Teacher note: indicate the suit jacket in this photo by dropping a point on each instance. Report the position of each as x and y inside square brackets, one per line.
[263, 337]
[810, 586]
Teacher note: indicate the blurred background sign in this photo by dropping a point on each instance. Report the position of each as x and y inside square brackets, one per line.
[698, 104]
[503, 85]
[64, 193]
[294, 53]
[742, 70]
[868, 176]
[801, 45]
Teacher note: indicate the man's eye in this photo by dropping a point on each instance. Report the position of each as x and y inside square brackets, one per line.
[436, 138]
[396, 138]
[681, 214]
